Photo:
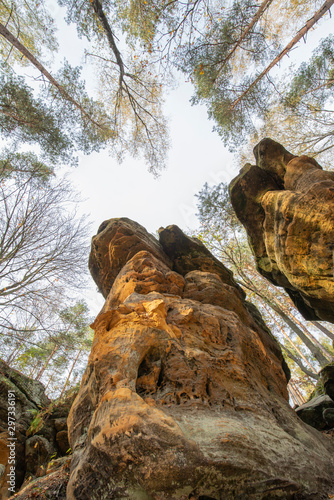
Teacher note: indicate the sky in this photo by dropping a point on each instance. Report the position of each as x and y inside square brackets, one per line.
[197, 155]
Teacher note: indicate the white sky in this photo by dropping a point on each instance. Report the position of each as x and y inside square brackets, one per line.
[128, 190]
[197, 156]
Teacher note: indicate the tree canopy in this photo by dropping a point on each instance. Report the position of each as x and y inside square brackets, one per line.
[234, 53]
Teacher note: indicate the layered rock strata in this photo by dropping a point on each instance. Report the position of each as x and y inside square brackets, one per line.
[185, 392]
[286, 204]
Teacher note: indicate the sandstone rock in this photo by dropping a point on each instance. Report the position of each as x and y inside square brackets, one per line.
[116, 241]
[273, 158]
[313, 412]
[185, 396]
[32, 452]
[189, 254]
[328, 416]
[290, 225]
[52, 486]
[327, 378]
[60, 424]
[143, 273]
[38, 450]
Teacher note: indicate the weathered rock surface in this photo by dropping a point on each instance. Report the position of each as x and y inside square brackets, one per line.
[185, 394]
[317, 412]
[29, 396]
[327, 378]
[286, 204]
[49, 487]
[118, 240]
[31, 452]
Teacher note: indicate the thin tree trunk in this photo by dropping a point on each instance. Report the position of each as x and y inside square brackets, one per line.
[298, 398]
[42, 370]
[24, 51]
[298, 362]
[264, 5]
[13, 353]
[323, 329]
[316, 352]
[294, 321]
[293, 396]
[288, 338]
[70, 373]
[32, 371]
[97, 6]
[294, 392]
[50, 380]
[311, 22]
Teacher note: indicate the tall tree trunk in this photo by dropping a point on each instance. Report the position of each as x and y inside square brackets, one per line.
[316, 352]
[70, 373]
[42, 370]
[323, 329]
[300, 395]
[264, 5]
[300, 399]
[291, 341]
[301, 33]
[49, 381]
[97, 6]
[309, 334]
[25, 52]
[293, 396]
[32, 371]
[298, 362]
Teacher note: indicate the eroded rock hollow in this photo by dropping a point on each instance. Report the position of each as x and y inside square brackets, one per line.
[185, 392]
[286, 204]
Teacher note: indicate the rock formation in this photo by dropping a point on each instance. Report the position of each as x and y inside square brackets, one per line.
[185, 392]
[27, 454]
[29, 396]
[286, 204]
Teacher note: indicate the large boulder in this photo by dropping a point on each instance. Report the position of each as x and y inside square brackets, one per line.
[286, 204]
[185, 392]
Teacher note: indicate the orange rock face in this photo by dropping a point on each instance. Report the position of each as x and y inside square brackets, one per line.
[286, 204]
[184, 395]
